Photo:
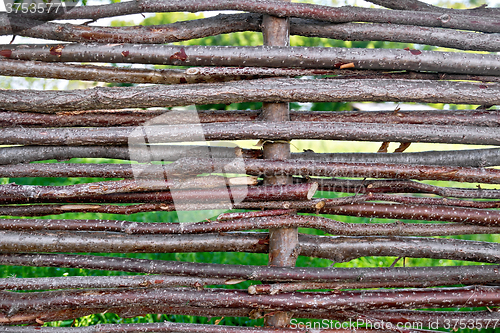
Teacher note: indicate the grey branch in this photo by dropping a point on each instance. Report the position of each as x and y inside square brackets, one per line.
[259, 56]
[76, 282]
[271, 131]
[317, 222]
[104, 73]
[260, 167]
[463, 158]
[417, 5]
[222, 24]
[261, 90]
[281, 9]
[338, 249]
[489, 273]
[137, 117]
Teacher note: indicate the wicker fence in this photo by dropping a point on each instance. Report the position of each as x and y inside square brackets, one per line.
[268, 186]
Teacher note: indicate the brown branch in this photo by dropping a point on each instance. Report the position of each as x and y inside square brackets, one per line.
[42, 210]
[209, 191]
[399, 186]
[368, 170]
[416, 5]
[26, 154]
[108, 118]
[317, 222]
[276, 288]
[338, 249]
[137, 117]
[50, 193]
[153, 34]
[170, 327]
[438, 318]
[258, 56]
[258, 167]
[476, 296]
[77, 282]
[463, 40]
[105, 73]
[463, 158]
[72, 170]
[418, 212]
[221, 24]
[280, 9]
[286, 130]
[334, 74]
[427, 201]
[246, 215]
[394, 316]
[488, 273]
[127, 312]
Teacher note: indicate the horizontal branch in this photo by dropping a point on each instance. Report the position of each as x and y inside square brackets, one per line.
[258, 56]
[437, 318]
[463, 158]
[338, 249]
[409, 200]
[170, 327]
[399, 186]
[288, 221]
[418, 212]
[394, 316]
[50, 193]
[53, 209]
[476, 296]
[212, 190]
[334, 74]
[71, 170]
[264, 90]
[261, 167]
[101, 118]
[416, 5]
[276, 8]
[487, 273]
[276, 288]
[463, 40]
[128, 312]
[152, 34]
[104, 73]
[289, 130]
[67, 241]
[223, 24]
[368, 170]
[137, 117]
[135, 281]
[26, 154]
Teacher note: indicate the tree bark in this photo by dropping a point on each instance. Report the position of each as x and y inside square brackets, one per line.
[280, 9]
[476, 296]
[258, 273]
[259, 56]
[270, 131]
[317, 222]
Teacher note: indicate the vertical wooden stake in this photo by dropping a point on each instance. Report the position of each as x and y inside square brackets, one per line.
[283, 242]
